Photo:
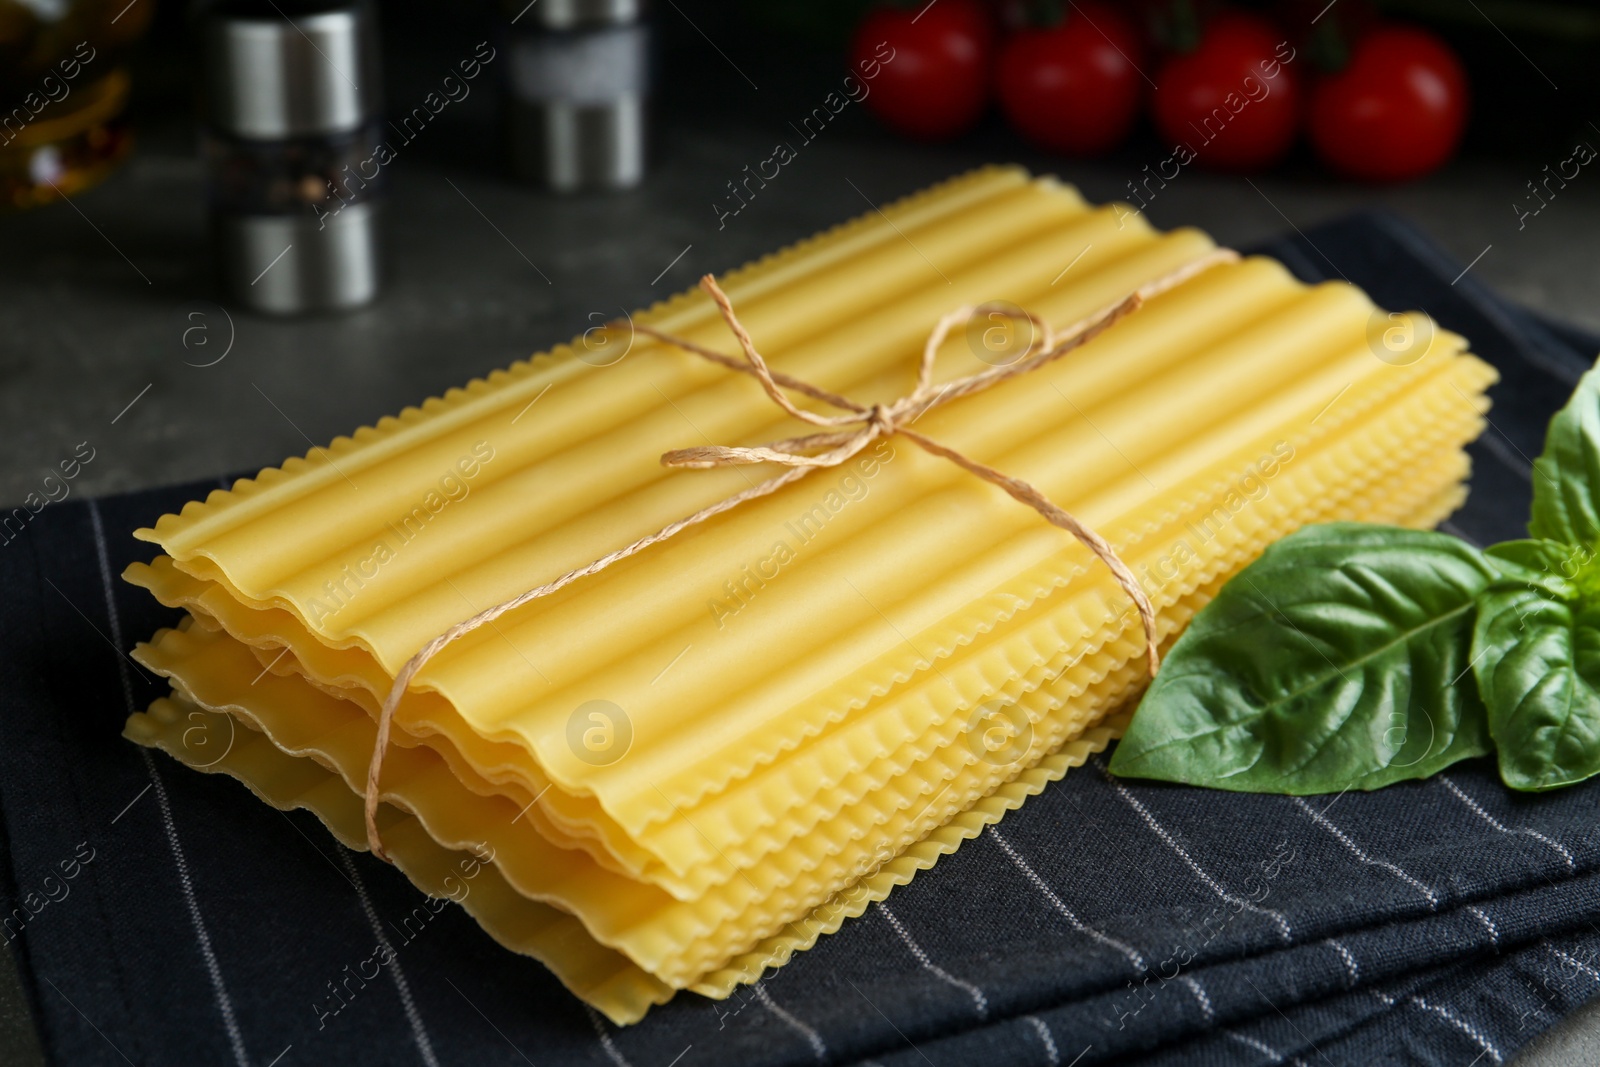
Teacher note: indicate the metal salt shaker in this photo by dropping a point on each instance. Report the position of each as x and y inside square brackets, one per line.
[579, 92]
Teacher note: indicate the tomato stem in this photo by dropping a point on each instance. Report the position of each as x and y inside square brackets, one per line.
[1329, 47]
[1178, 26]
[1045, 13]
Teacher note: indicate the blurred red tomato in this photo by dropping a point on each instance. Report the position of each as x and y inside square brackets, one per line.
[1234, 99]
[934, 63]
[1073, 87]
[1396, 111]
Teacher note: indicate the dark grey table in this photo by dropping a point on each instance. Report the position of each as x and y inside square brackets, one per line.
[110, 305]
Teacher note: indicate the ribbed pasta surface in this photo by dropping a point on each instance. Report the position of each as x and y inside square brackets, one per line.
[674, 773]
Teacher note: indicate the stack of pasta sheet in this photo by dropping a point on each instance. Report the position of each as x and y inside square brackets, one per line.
[673, 774]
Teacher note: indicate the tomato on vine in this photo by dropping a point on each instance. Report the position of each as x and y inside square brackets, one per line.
[1234, 98]
[1396, 111]
[1074, 86]
[933, 64]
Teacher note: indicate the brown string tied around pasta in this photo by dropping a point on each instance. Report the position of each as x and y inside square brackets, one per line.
[839, 438]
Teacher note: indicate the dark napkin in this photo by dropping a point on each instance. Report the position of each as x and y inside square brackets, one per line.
[162, 916]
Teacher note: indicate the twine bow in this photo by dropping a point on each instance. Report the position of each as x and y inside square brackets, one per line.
[841, 437]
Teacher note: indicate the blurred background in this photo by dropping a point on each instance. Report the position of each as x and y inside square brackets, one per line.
[121, 327]
[496, 178]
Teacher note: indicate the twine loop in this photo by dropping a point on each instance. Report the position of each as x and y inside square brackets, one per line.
[840, 438]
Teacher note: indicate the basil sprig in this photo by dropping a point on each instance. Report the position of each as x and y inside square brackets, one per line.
[1537, 647]
[1352, 655]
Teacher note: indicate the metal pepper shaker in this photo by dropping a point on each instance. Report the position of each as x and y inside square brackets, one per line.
[292, 94]
[577, 104]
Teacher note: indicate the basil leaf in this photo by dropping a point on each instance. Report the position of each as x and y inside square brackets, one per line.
[1566, 477]
[1553, 567]
[1536, 654]
[1329, 663]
